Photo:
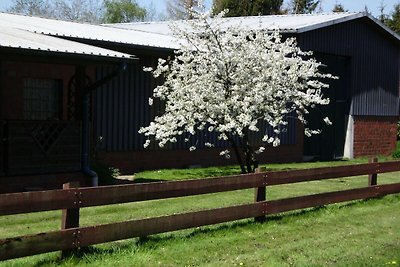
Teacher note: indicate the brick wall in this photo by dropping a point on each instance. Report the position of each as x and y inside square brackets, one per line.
[374, 135]
[134, 161]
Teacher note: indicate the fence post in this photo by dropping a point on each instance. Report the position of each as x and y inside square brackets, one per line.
[260, 194]
[70, 218]
[372, 178]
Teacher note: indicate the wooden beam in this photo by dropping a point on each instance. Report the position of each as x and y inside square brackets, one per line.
[373, 178]
[298, 176]
[106, 195]
[65, 239]
[66, 199]
[260, 193]
[70, 219]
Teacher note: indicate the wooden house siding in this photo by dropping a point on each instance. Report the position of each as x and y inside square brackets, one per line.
[42, 147]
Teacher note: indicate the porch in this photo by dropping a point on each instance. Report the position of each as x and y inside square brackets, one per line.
[39, 154]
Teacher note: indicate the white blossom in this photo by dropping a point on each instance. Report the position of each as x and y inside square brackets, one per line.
[192, 148]
[260, 150]
[327, 121]
[147, 143]
[224, 152]
[308, 132]
[276, 142]
[228, 79]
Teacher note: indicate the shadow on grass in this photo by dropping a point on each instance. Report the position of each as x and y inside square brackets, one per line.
[155, 241]
[147, 180]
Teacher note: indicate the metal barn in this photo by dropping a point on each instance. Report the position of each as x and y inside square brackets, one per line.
[364, 101]
[364, 104]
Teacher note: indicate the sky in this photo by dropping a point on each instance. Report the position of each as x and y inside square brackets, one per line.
[351, 5]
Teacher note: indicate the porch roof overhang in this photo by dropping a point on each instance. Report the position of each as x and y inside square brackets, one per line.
[24, 45]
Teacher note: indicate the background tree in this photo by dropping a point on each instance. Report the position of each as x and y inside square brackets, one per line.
[237, 8]
[31, 7]
[366, 9]
[117, 11]
[231, 80]
[181, 9]
[78, 10]
[339, 8]
[393, 21]
[92, 11]
[383, 17]
[152, 14]
[304, 6]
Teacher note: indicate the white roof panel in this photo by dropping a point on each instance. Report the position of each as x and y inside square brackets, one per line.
[286, 23]
[16, 38]
[86, 31]
[158, 34]
[293, 23]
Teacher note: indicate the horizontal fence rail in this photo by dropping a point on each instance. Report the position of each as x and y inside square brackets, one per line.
[106, 195]
[74, 198]
[89, 197]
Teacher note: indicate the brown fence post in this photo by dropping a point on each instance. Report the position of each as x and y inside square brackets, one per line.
[372, 178]
[70, 218]
[260, 194]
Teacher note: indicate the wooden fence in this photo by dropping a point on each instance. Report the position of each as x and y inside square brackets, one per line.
[70, 199]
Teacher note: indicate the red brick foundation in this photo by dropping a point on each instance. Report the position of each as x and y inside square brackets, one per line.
[133, 161]
[374, 135]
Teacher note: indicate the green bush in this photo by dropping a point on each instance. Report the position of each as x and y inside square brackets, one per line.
[396, 154]
[398, 130]
[106, 174]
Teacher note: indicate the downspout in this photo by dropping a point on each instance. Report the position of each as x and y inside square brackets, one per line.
[85, 159]
[94, 179]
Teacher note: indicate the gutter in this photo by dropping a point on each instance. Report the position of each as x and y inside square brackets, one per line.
[85, 157]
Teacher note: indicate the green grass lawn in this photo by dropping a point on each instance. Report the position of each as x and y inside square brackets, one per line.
[362, 233]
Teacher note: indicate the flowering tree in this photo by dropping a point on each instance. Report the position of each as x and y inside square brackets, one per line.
[228, 80]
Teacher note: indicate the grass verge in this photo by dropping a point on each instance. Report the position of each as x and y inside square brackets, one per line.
[364, 233]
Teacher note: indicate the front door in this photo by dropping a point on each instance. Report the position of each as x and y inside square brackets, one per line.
[330, 143]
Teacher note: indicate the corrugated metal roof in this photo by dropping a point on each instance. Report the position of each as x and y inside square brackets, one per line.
[17, 38]
[87, 31]
[286, 23]
[159, 35]
[293, 23]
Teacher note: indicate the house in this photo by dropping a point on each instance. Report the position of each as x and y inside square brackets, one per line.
[364, 104]
[43, 83]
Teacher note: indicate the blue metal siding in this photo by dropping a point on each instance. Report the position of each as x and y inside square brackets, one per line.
[121, 108]
[122, 105]
[374, 64]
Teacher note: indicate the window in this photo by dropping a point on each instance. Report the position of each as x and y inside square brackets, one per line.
[42, 99]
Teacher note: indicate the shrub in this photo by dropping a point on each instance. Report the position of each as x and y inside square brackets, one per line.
[396, 154]
[398, 130]
[106, 174]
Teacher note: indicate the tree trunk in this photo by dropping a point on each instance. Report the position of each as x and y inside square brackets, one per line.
[251, 158]
[237, 154]
[250, 163]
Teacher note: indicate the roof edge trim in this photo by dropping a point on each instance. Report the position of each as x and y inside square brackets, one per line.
[384, 27]
[349, 18]
[331, 22]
